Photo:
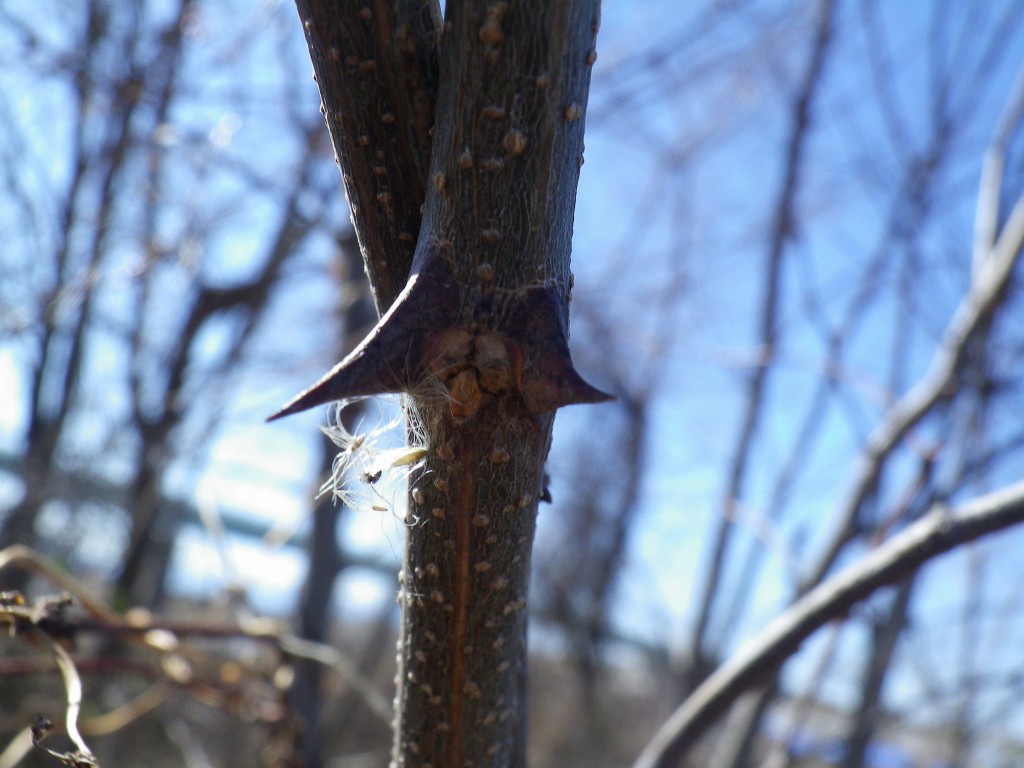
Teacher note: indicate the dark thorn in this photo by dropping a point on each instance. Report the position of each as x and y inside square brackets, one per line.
[389, 358]
[549, 380]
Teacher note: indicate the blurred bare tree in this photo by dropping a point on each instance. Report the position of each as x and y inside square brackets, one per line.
[169, 199]
[149, 241]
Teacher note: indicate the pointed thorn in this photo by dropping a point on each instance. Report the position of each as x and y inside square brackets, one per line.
[341, 382]
[578, 390]
[556, 383]
[388, 359]
[550, 380]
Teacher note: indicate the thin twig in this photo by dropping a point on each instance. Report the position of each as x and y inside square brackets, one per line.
[345, 669]
[73, 686]
[987, 290]
[127, 713]
[986, 218]
[24, 557]
[800, 134]
[16, 750]
[158, 635]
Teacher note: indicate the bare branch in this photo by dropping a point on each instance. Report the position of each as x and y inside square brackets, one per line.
[39, 621]
[73, 686]
[986, 221]
[376, 65]
[987, 290]
[782, 231]
[159, 635]
[940, 531]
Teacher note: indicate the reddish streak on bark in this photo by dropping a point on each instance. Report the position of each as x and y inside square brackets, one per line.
[465, 506]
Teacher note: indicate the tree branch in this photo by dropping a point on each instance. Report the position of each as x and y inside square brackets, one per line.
[376, 64]
[940, 531]
[992, 274]
[478, 335]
